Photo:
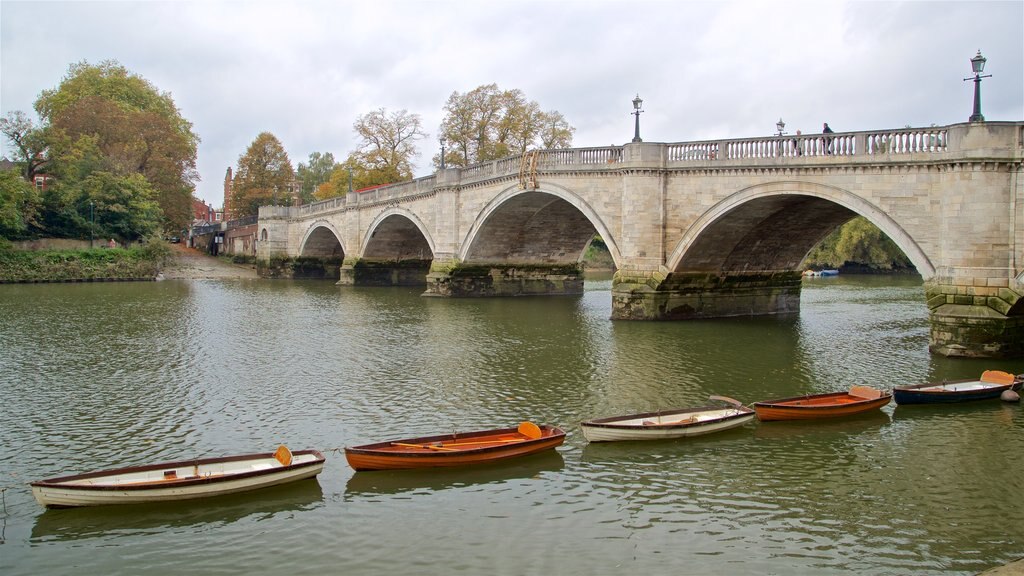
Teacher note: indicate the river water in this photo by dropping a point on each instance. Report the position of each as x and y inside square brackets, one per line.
[96, 376]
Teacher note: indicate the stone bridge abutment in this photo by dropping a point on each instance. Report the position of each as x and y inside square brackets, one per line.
[698, 229]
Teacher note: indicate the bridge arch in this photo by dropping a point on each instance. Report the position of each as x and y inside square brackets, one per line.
[397, 234]
[322, 240]
[772, 226]
[539, 218]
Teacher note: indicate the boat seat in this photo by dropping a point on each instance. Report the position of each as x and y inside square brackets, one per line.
[283, 455]
[996, 377]
[865, 392]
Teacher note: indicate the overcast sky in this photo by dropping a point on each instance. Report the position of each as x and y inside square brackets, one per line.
[305, 70]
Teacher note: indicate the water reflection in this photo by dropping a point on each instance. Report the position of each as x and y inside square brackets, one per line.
[824, 428]
[55, 525]
[389, 483]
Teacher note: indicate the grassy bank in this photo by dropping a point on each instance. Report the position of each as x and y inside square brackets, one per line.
[94, 265]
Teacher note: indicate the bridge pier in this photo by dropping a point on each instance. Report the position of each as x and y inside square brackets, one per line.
[687, 296]
[460, 280]
[367, 272]
[975, 321]
[299, 268]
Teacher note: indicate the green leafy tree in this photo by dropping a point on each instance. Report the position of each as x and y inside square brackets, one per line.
[137, 129]
[19, 202]
[264, 177]
[312, 175]
[858, 242]
[123, 205]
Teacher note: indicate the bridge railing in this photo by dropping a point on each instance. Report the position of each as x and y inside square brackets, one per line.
[903, 141]
[786, 147]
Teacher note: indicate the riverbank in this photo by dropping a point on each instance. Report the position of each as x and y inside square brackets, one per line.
[141, 263]
[90, 265]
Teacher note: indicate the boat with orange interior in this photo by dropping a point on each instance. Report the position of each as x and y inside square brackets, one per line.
[457, 449]
[856, 400]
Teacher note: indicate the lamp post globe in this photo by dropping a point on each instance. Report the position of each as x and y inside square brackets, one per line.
[780, 126]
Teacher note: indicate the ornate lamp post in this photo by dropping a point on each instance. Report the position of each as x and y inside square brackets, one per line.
[977, 66]
[92, 226]
[441, 140]
[781, 127]
[637, 103]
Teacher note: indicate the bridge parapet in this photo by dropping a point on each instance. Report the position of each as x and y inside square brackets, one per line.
[998, 139]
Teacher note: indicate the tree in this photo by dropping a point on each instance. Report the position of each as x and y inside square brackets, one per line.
[18, 204]
[336, 186]
[121, 206]
[387, 147]
[137, 129]
[555, 131]
[264, 177]
[29, 141]
[858, 242]
[488, 123]
[312, 175]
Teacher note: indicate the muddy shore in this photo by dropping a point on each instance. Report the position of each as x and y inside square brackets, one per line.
[190, 264]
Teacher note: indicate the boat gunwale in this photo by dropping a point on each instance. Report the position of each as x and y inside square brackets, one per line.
[610, 422]
[61, 482]
[378, 448]
[985, 387]
[785, 402]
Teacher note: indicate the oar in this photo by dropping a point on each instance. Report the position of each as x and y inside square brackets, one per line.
[427, 446]
[727, 400]
[485, 442]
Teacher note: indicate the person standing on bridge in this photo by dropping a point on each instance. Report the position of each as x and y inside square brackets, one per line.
[828, 139]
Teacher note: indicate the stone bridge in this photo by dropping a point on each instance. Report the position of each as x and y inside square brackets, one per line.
[696, 229]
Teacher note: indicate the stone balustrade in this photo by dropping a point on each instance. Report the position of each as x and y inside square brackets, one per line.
[877, 145]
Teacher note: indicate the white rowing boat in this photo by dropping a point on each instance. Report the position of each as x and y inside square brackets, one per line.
[179, 480]
[666, 424]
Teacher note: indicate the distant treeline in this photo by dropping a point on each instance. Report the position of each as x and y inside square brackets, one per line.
[861, 246]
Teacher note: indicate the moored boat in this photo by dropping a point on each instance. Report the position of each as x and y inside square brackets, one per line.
[184, 480]
[666, 424]
[832, 405]
[990, 385]
[457, 449]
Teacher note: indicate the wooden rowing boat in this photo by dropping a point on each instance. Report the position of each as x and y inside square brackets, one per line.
[183, 480]
[991, 384]
[666, 424]
[455, 449]
[833, 405]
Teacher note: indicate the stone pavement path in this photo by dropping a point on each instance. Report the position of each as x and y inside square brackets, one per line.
[191, 264]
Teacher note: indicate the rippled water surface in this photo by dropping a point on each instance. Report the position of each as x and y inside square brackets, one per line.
[97, 376]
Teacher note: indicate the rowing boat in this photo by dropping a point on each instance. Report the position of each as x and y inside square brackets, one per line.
[184, 480]
[455, 449]
[832, 405]
[666, 424]
[991, 384]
